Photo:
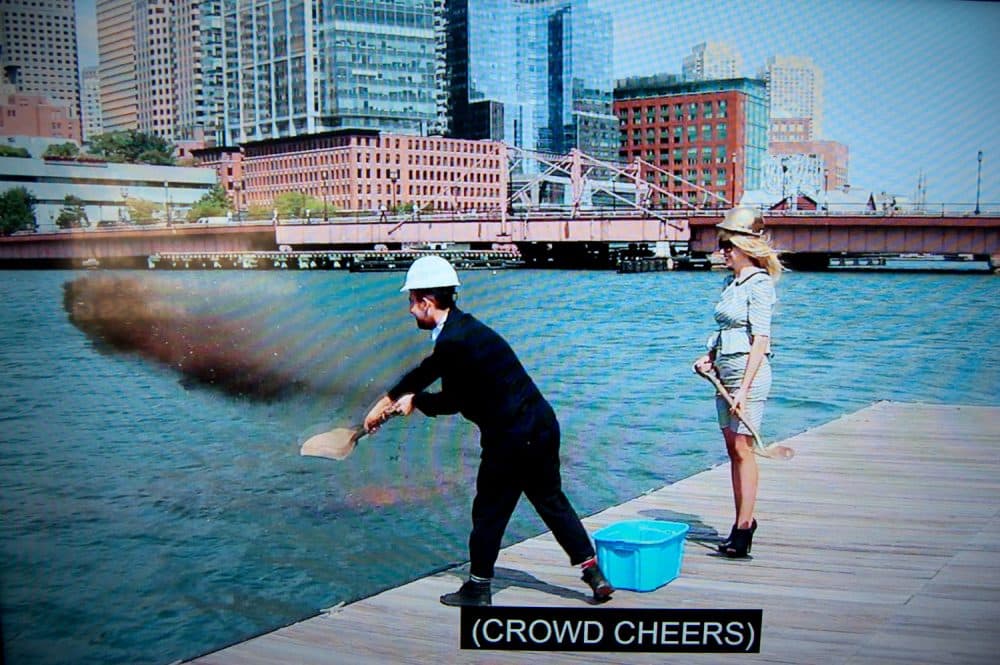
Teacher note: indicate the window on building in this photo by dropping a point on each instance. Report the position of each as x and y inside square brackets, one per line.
[722, 108]
[706, 110]
[706, 132]
[722, 131]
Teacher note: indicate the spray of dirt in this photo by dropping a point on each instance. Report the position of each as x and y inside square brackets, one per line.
[139, 316]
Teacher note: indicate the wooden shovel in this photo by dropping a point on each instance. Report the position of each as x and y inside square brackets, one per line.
[773, 451]
[338, 443]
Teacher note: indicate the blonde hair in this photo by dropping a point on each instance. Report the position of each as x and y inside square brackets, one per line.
[759, 249]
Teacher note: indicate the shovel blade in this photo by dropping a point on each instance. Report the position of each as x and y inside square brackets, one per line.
[336, 444]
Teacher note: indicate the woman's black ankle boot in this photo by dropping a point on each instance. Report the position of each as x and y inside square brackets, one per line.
[728, 541]
[740, 544]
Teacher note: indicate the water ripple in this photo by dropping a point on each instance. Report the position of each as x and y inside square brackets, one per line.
[144, 518]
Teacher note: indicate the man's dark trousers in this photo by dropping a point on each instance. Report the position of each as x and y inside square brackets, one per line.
[512, 465]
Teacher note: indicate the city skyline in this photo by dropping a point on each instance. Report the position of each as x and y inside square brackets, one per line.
[909, 85]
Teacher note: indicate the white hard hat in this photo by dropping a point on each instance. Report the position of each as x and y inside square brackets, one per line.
[430, 272]
[746, 221]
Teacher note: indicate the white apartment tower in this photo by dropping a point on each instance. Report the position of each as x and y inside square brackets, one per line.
[197, 35]
[795, 91]
[116, 49]
[161, 67]
[38, 49]
[90, 93]
[710, 61]
[154, 68]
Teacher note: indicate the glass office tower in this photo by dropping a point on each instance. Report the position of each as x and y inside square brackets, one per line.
[297, 67]
[536, 74]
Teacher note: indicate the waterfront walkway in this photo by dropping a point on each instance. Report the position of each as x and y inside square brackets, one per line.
[878, 543]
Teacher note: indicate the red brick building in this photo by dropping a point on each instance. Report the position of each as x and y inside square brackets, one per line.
[366, 171]
[705, 140]
[34, 115]
[228, 164]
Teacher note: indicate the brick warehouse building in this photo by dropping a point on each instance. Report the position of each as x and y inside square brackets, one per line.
[702, 138]
[366, 171]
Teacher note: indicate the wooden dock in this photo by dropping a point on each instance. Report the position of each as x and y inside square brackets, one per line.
[878, 543]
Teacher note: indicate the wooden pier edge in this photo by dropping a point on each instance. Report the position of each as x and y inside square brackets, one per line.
[878, 543]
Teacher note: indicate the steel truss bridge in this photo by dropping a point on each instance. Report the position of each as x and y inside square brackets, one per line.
[808, 239]
[574, 233]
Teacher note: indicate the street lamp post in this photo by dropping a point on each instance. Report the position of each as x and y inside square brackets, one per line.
[326, 192]
[979, 177]
[784, 177]
[240, 194]
[826, 188]
[393, 177]
[166, 200]
[734, 202]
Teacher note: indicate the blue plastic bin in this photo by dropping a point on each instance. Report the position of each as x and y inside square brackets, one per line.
[641, 555]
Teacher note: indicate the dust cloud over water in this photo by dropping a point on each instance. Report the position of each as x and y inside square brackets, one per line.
[258, 342]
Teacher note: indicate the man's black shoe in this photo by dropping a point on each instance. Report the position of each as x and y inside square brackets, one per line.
[471, 593]
[598, 583]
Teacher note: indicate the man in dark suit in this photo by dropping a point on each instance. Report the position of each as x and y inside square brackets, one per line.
[482, 379]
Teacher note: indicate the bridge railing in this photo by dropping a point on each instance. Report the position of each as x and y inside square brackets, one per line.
[930, 211]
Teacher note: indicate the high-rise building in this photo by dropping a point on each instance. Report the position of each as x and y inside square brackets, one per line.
[527, 72]
[116, 46]
[197, 36]
[90, 93]
[38, 52]
[161, 67]
[795, 90]
[154, 67]
[712, 60]
[296, 67]
[706, 141]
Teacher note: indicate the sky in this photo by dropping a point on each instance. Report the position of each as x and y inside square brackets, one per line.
[911, 86]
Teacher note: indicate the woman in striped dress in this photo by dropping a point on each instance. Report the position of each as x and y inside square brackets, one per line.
[739, 352]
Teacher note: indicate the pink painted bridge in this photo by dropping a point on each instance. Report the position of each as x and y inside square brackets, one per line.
[802, 234]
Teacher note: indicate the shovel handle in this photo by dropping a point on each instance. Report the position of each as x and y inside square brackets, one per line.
[774, 452]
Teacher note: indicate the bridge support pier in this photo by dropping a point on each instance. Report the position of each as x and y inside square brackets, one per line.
[811, 261]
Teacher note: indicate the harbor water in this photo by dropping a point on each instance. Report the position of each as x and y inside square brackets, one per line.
[153, 502]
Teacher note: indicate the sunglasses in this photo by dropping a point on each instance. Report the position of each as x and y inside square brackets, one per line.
[725, 244]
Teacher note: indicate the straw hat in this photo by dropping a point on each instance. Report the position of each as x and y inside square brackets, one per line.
[742, 220]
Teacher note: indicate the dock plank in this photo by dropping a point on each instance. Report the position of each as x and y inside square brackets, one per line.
[878, 543]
